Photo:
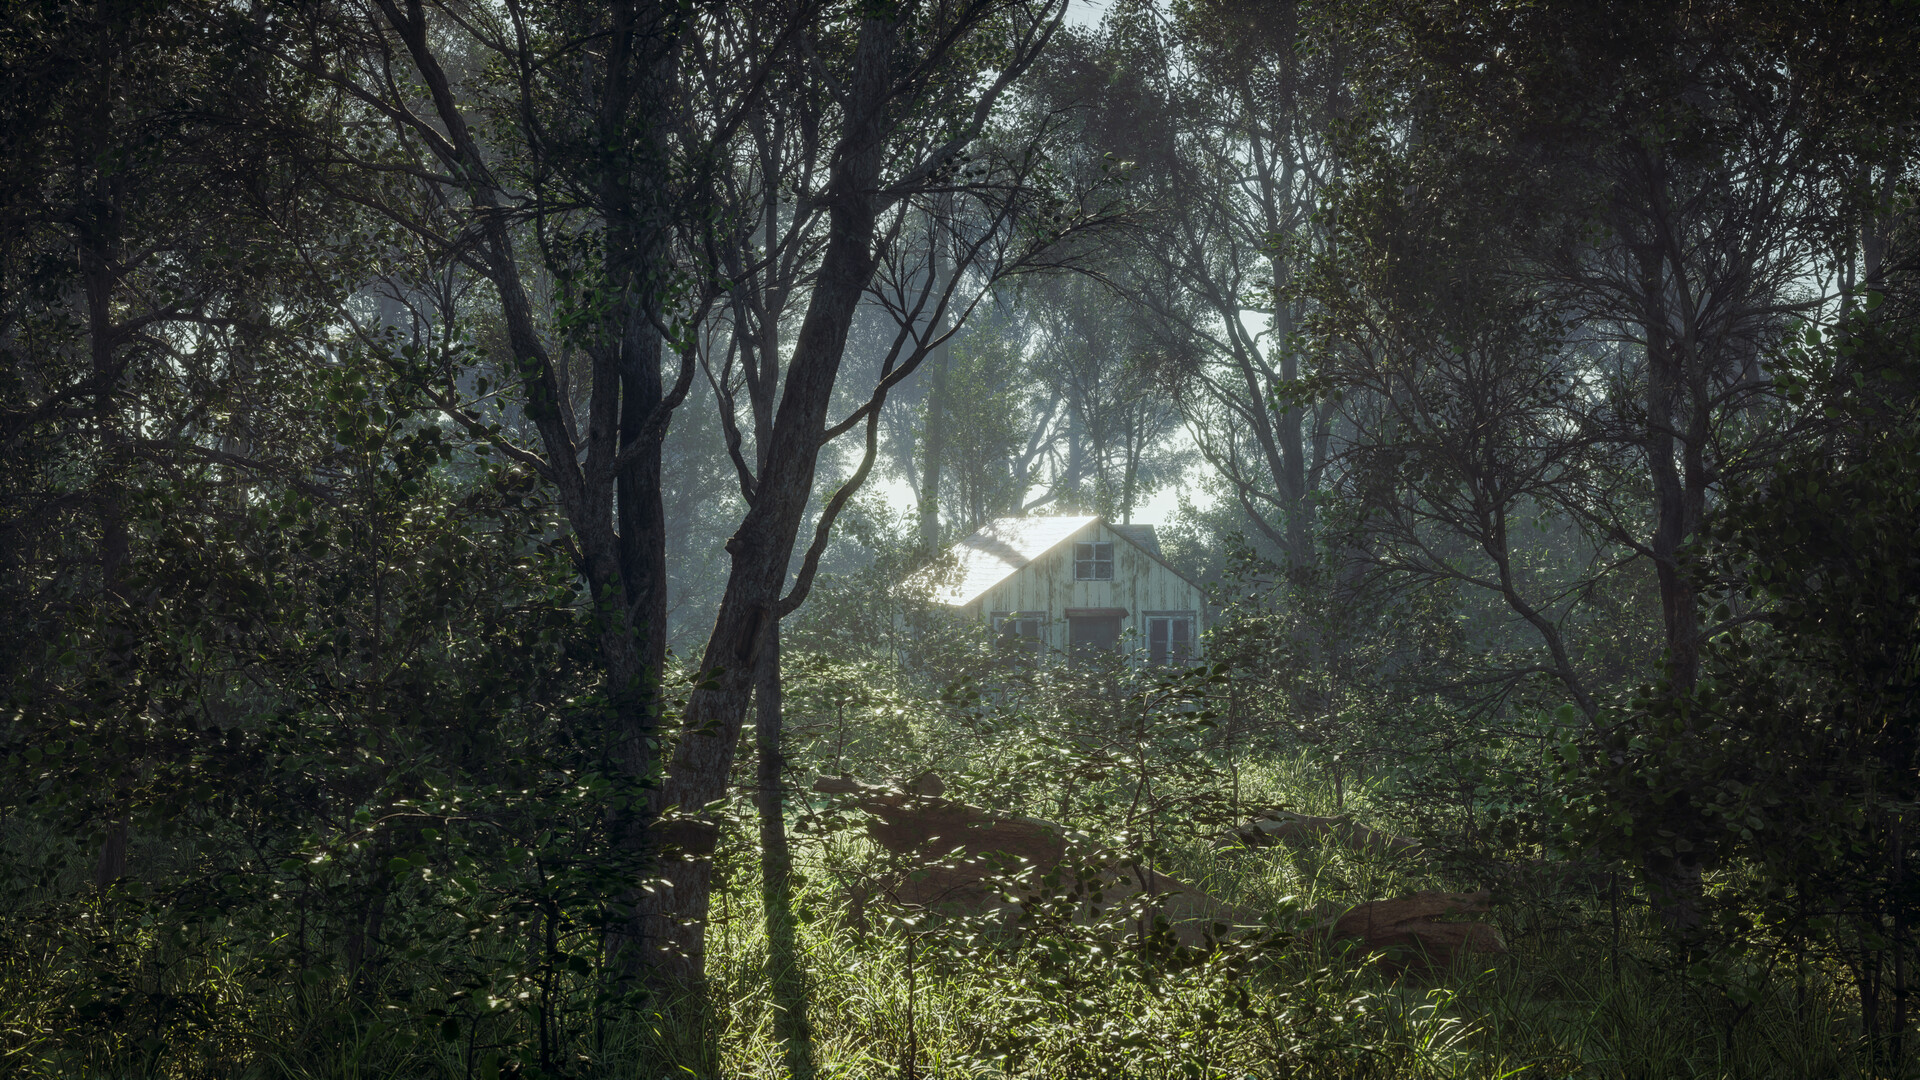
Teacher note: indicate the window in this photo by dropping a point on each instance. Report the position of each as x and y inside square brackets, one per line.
[1093, 629]
[1093, 560]
[1019, 633]
[1098, 632]
[1170, 637]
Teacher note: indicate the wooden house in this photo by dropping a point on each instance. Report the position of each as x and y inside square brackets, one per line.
[1058, 584]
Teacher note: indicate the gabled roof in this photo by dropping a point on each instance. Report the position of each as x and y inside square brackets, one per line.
[1144, 537]
[1004, 545]
[1000, 548]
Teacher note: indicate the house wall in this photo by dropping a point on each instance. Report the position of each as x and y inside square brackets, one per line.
[1140, 584]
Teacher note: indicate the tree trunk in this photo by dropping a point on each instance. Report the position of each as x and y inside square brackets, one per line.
[1501, 555]
[933, 448]
[635, 637]
[1673, 875]
[1289, 429]
[633, 201]
[98, 258]
[786, 971]
[112, 865]
[1896, 881]
[762, 548]
[642, 549]
[1665, 382]
[933, 444]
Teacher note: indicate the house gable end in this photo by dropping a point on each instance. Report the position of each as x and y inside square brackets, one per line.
[1117, 534]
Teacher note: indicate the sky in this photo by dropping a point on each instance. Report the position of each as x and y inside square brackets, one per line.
[1085, 12]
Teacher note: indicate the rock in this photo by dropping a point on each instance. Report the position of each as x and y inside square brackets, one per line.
[930, 827]
[1271, 826]
[1407, 924]
[959, 850]
[959, 855]
[927, 783]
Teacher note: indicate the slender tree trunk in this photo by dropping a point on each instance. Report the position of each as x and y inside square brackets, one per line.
[1869, 990]
[786, 961]
[1499, 553]
[112, 864]
[1896, 875]
[762, 548]
[635, 637]
[933, 448]
[616, 514]
[640, 73]
[1289, 431]
[115, 549]
[98, 248]
[1277, 171]
[1673, 875]
[933, 444]
[1665, 381]
[642, 546]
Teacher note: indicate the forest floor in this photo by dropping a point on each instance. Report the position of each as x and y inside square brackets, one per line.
[868, 991]
[1577, 993]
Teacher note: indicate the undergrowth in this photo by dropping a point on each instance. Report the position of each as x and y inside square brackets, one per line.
[105, 988]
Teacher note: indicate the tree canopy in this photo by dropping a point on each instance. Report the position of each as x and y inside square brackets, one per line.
[475, 482]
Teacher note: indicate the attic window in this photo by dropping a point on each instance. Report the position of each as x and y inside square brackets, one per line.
[1093, 560]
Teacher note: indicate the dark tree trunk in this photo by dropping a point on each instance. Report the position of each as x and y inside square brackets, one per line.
[642, 552]
[933, 448]
[635, 637]
[112, 865]
[1896, 880]
[763, 547]
[786, 971]
[631, 167]
[1674, 876]
[934, 437]
[612, 504]
[98, 257]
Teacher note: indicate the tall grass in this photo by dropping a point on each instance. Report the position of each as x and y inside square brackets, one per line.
[898, 994]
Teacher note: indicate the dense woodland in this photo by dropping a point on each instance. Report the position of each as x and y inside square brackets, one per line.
[464, 467]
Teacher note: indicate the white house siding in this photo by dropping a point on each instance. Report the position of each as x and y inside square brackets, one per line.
[1140, 584]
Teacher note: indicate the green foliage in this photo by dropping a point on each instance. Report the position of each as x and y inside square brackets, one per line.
[306, 762]
[1071, 996]
[1792, 763]
[989, 453]
[348, 735]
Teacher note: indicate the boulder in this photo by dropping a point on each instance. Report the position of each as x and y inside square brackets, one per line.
[957, 850]
[1407, 928]
[958, 856]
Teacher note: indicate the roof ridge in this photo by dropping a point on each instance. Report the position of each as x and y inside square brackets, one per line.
[1000, 548]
